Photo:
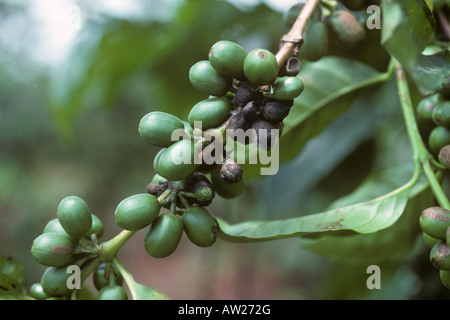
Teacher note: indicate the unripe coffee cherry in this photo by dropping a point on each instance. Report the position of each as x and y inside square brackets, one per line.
[288, 88]
[260, 67]
[211, 112]
[224, 189]
[228, 57]
[101, 280]
[96, 228]
[315, 43]
[424, 110]
[231, 172]
[157, 127]
[37, 292]
[178, 161]
[199, 182]
[112, 292]
[439, 137]
[163, 235]
[54, 282]
[52, 249]
[54, 226]
[276, 111]
[429, 241]
[208, 80]
[440, 256]
[74, 215]
[434, 221]
[137, 211]
[441, 114]
[346, 28]
[200, 226]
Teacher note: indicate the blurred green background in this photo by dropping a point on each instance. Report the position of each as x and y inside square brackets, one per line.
[71, 98]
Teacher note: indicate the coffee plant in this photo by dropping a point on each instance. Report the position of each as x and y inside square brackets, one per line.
[259, 103]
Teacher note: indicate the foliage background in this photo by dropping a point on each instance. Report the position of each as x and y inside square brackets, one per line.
[69, 127]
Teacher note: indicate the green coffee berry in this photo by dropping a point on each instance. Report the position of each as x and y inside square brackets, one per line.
[228, 57]
[203, 194]
[158, 179]
[440, 256]
[96, 228]
[163, 235]
[260, 67]
[156, 159]
[200, 226]
[315, 41]
[157, 127]
[177, 162]
[112, 292]
[54, 282]
[54, 226]
[441, 114]
[208, 80]
[434, 221]
[101, 279]
[288, 88]
[202, 188]
[211, 112]
[429, 240]
[74, 215]
[224, 189]
[424, 110]
[345, 28]
[445, 278]
[137, 211]
[439, 138]
[52, 249]
[37, 292]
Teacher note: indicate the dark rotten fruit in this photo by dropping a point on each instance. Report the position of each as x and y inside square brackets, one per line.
[245, 93]
[52, 249]
[200, 226]
[208, 80]
[163, 236]
[228, 57]
[265, 134]
[137, 211]
[440, 256]
[211, 112]
[260, 67]
[112, 292]
[178, 161]
[315, 44]
[288, 88]
[231, 172]
[157, 127]
[276, 111]
[74, 215]
[434, 221]
[54, 282]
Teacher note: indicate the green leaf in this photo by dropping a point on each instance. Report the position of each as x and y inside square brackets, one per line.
[429, 71]
[148, 293]
[367, 216]
[10, 288]
[407, 27]
[13, 268]
[331, 84]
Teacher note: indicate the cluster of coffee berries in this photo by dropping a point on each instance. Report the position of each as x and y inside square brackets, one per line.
[335, 23]
[433, 114]
[435, 224]
[70, 239]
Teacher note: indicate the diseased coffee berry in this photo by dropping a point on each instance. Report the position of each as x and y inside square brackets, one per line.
[345, 28]
[208, 80]
[198, 182]
[228, 57]
[434, 221]
[441, 114]
[179, 161]
[211, 112]
[54, 281]
[265, 134]
[440, 256]
[200, 226]
[245, 93]
[155, 189]
[424, 110]
[112, 292]
[251, 111]
[96, 227]
[315, 41]
[260, 67]
[101, 279]
[439, 138]
[276, 111]
[444, 156]
[137, 211]
[224, 189]
[238, 121]
[163, 235]
[52, 249]
[288, 88]
[74, 215]
[231, 172]
[156, 128]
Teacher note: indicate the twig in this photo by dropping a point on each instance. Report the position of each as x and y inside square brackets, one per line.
[294, 37]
